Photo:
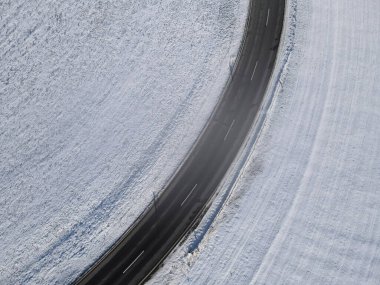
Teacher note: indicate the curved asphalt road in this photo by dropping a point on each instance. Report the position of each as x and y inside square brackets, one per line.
[142, 249]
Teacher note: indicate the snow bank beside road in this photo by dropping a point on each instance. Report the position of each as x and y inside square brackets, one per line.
[99, 103]
[306, 209]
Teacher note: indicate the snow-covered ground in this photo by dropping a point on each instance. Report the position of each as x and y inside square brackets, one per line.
[99, 103]
[306, 208]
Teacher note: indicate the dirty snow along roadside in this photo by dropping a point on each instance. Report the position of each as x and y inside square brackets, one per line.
[99, 103]
[306, 208]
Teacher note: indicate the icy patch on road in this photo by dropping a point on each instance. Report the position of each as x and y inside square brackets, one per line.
[99, 103]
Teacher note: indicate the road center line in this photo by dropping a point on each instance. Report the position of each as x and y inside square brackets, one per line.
[266, 24]
[229, 129]
[254, 70]
[188, 195]
[133, 262]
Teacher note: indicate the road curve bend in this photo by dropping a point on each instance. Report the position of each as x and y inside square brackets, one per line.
[139, 252]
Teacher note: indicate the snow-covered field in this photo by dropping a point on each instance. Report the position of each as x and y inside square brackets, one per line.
[306, 208]
[99, 103]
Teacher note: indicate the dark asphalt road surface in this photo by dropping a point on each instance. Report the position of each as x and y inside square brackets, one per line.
[142, 249]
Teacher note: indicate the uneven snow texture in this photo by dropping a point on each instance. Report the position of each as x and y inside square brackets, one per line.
[99, 103]
[306, 209]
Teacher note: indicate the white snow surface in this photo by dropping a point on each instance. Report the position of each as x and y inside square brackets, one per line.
[100, 101]
[306, 206]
